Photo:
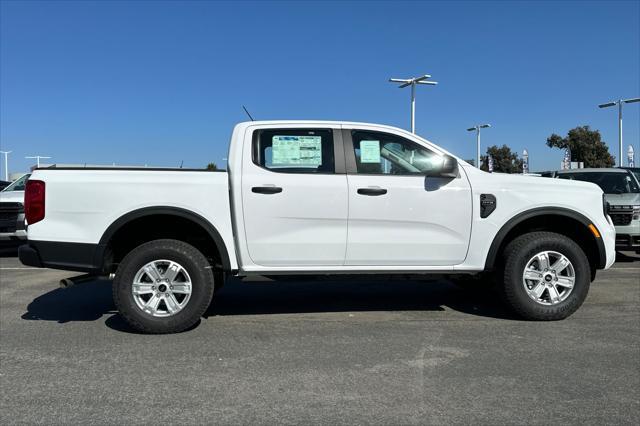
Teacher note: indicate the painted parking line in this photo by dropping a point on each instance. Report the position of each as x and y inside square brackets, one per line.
[19, 269]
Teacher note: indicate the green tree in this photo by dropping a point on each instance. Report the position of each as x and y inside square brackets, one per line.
[504, 160]
[586, 145]
[212, 166]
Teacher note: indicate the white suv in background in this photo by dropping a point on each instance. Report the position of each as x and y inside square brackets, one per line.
[622, 192]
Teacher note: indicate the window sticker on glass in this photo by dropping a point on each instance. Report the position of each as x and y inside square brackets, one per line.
[297, 151]
[370, 151]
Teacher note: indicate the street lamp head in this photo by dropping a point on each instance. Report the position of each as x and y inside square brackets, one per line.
[608, 104]
[411, 81]
[424, 77]
[478, 127]
[630, 101]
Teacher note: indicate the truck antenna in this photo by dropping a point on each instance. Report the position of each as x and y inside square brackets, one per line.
[245, 110]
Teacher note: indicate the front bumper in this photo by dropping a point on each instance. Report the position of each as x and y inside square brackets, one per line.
[628, 236]
[627, 241]
[608, 234]
[18, 235]
[12, 224]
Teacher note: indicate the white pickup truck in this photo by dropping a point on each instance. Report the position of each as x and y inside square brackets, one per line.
[316, 197]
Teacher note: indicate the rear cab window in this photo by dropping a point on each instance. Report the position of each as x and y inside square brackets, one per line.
[295, 150]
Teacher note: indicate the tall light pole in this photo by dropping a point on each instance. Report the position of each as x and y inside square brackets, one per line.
[477, 129]
[6, 164]
[38, 157]
[619, 102]
[412, 82]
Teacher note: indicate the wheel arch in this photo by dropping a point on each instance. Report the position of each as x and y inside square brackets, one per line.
[536, 219]
[164, 211]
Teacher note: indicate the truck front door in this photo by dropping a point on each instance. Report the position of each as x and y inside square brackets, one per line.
[397, 216]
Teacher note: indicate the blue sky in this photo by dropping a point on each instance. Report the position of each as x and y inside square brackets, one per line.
[163, 82]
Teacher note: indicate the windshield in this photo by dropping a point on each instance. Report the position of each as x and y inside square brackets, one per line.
[18, 184]
[610, 183]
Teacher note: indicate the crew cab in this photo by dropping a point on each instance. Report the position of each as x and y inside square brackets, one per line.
[323, 198]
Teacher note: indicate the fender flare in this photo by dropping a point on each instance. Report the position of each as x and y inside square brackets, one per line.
[528, 214]
[168, 211]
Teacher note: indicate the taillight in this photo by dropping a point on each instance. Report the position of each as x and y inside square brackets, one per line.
[34, 201]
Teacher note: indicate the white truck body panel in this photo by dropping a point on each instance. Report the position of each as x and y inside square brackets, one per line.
[518, 194]
[82, 204]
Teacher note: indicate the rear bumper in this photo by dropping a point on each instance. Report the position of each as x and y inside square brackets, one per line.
[79, 257]
[29, 256]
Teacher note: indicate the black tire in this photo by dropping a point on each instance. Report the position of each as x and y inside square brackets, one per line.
[196, 265]
[219, 277]
[517, 254]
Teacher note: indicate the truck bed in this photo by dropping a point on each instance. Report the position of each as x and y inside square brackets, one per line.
[81, 203]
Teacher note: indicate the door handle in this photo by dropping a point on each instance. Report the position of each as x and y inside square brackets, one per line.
[372, 191]
[266, 189]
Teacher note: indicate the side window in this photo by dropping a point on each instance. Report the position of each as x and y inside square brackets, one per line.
[385, 154]
[294, 150]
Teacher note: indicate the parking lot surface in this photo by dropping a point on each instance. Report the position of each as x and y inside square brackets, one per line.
[366, 351]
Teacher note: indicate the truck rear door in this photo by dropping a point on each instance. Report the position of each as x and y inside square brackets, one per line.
[294, 195]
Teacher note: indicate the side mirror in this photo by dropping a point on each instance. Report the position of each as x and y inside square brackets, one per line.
[447, 169]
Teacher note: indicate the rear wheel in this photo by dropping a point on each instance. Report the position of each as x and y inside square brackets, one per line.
[163, 286]
[546, 276]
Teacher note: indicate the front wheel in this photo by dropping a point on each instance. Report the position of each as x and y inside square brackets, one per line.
[546, 276]
[163, 286]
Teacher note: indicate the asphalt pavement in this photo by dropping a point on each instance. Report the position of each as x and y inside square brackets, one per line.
[366, 351]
